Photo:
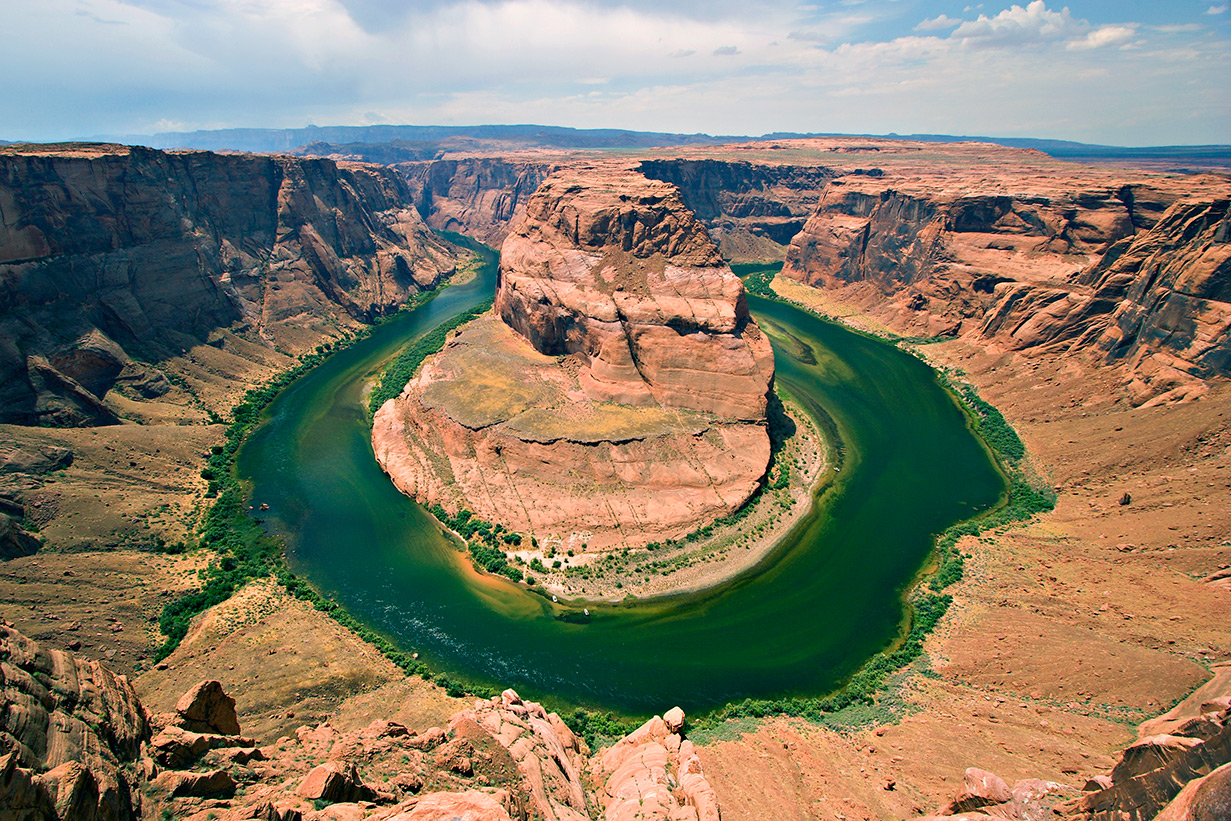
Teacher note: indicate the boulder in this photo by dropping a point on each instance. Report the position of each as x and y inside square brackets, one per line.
[979, 789]
[471, 805]
[1151, 753]
[674, 719]
[429, 738]
[14, 541]
[207, 709]
[74, 790]
[22, 796]
[1203, 799]
[1098, 782]
[212, 784]
[335, 781]
[178, 748]
[34, 460]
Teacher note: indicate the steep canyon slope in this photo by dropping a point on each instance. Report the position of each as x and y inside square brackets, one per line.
[618, 395]
[1028, 253]
[115, 260]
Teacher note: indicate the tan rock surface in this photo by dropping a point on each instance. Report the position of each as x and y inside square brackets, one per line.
[57, 710]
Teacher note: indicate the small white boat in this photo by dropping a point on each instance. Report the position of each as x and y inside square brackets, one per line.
[585, 610]
[553, 598]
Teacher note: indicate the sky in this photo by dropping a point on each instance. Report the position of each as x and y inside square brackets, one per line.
[1119, 72]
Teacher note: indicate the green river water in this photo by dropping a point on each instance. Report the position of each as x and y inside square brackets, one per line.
[829, 597]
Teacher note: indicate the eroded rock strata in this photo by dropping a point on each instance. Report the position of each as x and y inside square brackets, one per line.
[1032, 255]
[115, 259]
[616, 396]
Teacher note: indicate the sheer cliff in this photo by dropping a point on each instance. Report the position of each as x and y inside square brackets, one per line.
[480, 197]
[1122, 266]
[114, 259]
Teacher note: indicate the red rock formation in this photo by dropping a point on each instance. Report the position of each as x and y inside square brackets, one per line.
[70, 727]
[1128, 268]
[115, 256]
[654, 774]
[624, 400]
[615, 268]
[1159, 301]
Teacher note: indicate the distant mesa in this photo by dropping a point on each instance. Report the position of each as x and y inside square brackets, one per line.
[617, 393]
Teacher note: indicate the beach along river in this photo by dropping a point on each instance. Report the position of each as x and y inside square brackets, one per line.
[825, 601]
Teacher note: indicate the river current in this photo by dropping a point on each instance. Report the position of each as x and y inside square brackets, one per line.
[830, 596]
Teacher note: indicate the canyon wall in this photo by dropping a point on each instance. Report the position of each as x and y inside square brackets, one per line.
[1158, 302]
[1128, 268]
[753, 211]
[114, 259]
[480, 197]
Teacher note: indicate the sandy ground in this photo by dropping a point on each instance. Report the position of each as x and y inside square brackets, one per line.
[288, 665]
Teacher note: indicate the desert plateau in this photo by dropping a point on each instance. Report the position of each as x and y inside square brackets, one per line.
[380, 472]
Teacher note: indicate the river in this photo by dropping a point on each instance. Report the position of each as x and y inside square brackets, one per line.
[825, 601]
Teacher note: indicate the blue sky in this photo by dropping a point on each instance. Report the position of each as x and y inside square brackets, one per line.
[1124, 72]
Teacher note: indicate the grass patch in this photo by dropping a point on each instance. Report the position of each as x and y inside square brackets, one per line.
[757, 277]
[484, 541]
[599, 728]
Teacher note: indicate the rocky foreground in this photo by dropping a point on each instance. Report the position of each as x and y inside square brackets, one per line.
[618, 395]
[79, 745]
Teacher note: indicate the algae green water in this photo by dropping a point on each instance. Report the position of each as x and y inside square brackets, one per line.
[827, 599]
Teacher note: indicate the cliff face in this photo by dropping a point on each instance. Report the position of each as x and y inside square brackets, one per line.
[1132, 273]
[480, 197]
[621, 273]
[752, 210]
[113, 259]
[70, 730]
[1159, 302]
[892, 238]
[617, 396]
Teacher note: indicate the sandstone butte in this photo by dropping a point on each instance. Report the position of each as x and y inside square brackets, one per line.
[617, 393]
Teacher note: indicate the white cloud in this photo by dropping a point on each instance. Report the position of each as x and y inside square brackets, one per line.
[1026, 69]
[1105, 36]
[938, 23]
[1219, 9]
[1018, 25]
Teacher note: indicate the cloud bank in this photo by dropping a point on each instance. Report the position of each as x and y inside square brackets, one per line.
[1082, 71]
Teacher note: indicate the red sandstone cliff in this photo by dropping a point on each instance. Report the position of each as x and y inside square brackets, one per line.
[1126, 267]
[114, 258]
